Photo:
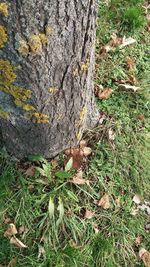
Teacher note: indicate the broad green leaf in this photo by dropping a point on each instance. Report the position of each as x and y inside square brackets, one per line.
[61, 212]
[63, 174]
[36, 158]
[51, 208]
[69, 165]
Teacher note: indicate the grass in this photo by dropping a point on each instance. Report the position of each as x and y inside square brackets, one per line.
[120, 167]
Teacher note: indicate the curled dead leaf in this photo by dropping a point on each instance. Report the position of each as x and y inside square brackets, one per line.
[145, 256]
[130, 63]
[22, 229]
[127, 41]
[78, 179]
[15, 241]
[30, 172]
[88, 214]
[11, 230]
[83, 144]
[87, 151]
[129, 87]
[137, 199]
[105, 94]
[104, 202]
[111, 134]
[138, 241]
[95, 227]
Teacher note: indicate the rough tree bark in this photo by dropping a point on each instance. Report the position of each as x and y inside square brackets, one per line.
[46, 74]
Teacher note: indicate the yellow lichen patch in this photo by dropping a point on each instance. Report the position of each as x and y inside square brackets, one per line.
[78, 123]
[23, 105]
[43, 38]
[4, 9]
[7, 75]
[84, 67]
[52, 90]
[40, 117]
[48, 30]
[23, 48]
[76, 72]
[19, 93]
[35, 44]
[3, 114]
[3, 36]
[82, 113]
[79, 135]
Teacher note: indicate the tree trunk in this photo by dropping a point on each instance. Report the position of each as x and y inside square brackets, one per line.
[46, 67]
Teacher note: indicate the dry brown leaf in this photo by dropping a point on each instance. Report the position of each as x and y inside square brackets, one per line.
[7, 220]
[31, 187]
[11, 230]
[83, 144]
[127, 41]
[88, 214]
[105, 94]
[15, 241]
[12, 262]
[78, 179]
[22, 229]
[137, 199]
[138, 241]
[30, 172]
[95, 226]
[131, 79]
[87, 151]
[104, 202]
[145, 256]
[130, 63]
[54, 163]
[77, 155]
[111, 135]
[128, 87]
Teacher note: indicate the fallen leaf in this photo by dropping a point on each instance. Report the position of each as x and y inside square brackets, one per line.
[130, 63]
[141, 117]
[15, 241]
[77, 155]
[95, 226]
[87, 151]
[134, 212]
[137, 199]
[78, 179]
[102, 118]
[138, 241]
[83, 144]
[118, 203]
[69, 164]
[128, 87]
[7, 220]
[131, 79]
[12, 262]
[54, 163]
[30, 172]
[111, 134]
[22, 229]
[127, 41]
[104, 202]
[11, 230]
[88, 214]
[145, 257]
[105, 94]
